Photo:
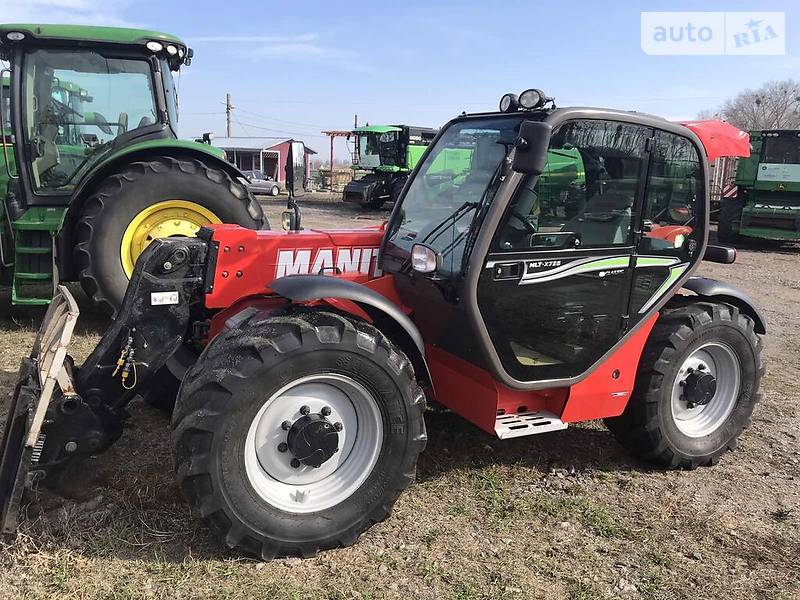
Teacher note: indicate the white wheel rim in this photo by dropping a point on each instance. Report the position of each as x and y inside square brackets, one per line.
[308, 489]
[699, 421]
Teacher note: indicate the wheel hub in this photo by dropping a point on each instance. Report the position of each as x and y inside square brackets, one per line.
[313, 440]
[699, 388]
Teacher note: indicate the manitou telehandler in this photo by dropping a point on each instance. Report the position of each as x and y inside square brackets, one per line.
[306, 357]
[91, 170]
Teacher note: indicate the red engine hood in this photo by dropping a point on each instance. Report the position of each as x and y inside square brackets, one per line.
[720, 138]
[248, 261]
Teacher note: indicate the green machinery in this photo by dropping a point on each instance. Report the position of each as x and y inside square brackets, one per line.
[91, 168]
[385, 155]
[767, 201]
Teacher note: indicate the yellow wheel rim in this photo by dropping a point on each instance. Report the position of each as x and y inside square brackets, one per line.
[171, 218]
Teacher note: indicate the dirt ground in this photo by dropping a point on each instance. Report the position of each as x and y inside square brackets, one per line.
[561, 515]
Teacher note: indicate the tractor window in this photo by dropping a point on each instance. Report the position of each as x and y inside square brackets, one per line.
[368, 157]
[781, 149]
[76, 104]
[586, 194]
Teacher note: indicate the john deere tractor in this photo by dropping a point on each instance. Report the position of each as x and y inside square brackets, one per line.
[767, 201]
[92, 170]
[385, 155]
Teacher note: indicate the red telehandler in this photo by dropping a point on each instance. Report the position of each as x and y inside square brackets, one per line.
[306, 357]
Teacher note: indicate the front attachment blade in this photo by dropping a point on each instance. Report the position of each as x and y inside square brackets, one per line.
[39, 375]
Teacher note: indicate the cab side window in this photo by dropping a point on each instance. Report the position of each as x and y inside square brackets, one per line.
[675, 189]
[585, 196]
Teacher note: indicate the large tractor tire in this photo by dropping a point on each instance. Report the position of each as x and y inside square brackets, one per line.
[729, 220]
[696, 386]
[294, 434]
[161, 197]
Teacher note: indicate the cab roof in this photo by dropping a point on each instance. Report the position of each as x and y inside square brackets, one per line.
[87, 33]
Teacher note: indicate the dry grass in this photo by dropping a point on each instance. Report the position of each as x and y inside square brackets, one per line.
[563, 515]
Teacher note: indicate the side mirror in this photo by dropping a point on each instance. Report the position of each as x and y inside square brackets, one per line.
[296, 163]
[720, 254]
[530, 154]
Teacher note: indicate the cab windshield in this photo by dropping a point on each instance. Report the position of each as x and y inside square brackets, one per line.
[457, 181]
[782, 150]
[76, 105]
[368, 156]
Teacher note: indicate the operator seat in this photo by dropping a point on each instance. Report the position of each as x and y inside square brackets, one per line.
[48, 156]
[605, 218]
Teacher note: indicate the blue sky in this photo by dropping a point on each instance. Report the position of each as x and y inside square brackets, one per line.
[295, 68]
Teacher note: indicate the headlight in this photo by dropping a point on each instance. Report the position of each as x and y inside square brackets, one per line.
[508, 103]
[15, 36]
[423, 259]
[172, 50]
[154, 46]
[530, 99]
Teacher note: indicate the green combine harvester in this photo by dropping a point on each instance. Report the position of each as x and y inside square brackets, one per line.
[767, 203]
[91, 168]
[385, 155]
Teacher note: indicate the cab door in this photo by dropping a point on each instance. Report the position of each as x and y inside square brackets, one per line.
[555, 286]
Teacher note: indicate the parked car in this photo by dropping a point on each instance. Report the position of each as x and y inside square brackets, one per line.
[258, 183]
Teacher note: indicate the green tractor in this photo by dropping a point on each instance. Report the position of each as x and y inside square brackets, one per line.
[767, 202]
[92, 169]
[385, 154]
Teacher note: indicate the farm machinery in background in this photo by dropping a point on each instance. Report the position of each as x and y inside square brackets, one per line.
[92, 170]
[767, 200]
[384, 156]
[306, 358]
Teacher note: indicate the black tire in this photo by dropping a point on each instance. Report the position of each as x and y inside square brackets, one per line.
[397, 187]
[224, 392]
[122, 196]
[730, 219]
[647, 428]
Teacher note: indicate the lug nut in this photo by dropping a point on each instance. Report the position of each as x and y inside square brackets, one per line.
[701, 367]
[286, 425]
[283, 447]
[304, 410]
[295, 463]
[167, 266]
[70, 447]
[338, 426]
[326, 410]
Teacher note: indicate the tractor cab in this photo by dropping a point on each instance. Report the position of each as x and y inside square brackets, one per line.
[384, 156]
[88, 110]
[77, 96]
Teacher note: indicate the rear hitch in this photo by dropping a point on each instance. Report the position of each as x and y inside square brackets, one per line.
[60, 413]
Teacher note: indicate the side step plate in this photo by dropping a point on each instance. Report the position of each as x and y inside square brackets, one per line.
[518, 425]
[38, 376]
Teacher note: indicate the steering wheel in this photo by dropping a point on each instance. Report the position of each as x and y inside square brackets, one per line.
[525, 223]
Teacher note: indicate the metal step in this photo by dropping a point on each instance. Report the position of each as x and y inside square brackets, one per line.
[531, 423]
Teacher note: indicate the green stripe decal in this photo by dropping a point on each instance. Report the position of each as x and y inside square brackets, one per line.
[655, 261]
[674, 274]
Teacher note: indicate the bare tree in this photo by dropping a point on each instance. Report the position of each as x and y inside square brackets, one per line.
[775, 105]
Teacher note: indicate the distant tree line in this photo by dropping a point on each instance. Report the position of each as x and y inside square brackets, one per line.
[775, 105]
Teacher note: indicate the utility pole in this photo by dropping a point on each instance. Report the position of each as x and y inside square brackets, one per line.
[228, 109]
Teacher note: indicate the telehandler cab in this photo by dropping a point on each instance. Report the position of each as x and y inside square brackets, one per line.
[307, 357]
